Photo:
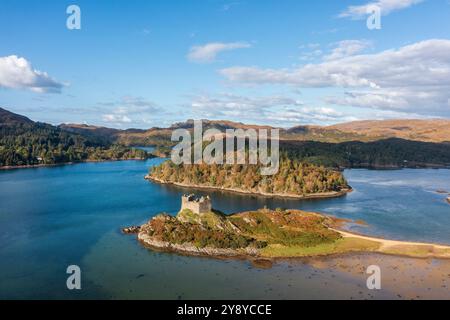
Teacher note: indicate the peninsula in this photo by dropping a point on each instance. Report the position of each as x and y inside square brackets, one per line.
[198, 229]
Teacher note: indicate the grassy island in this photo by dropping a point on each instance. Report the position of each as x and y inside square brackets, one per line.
[268, 234]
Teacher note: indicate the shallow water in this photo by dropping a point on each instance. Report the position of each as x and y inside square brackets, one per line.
[54, 217]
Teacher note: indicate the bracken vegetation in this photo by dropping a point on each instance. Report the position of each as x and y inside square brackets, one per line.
[169, 229]
[286, 227]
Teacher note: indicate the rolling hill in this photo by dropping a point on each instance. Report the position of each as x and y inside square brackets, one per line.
[436, 130]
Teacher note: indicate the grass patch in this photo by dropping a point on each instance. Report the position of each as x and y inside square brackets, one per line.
[418, 251]
[339, 246]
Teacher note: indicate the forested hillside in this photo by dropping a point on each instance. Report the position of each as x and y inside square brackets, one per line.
[24, 142]
[389, 153]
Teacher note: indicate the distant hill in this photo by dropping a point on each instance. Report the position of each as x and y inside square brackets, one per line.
[321, 134]
[362, 144]
[364, 131]
[103, 134]
[9, 118]
[436, 130]
[154, 136]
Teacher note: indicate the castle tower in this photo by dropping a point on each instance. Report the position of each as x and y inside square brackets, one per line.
[196, 205]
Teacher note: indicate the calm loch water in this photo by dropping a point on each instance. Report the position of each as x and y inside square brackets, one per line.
[54, 217]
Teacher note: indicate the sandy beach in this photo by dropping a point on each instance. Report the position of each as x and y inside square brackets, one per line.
[404, 248]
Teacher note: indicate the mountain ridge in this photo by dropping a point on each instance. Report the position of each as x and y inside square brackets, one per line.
[430, 130]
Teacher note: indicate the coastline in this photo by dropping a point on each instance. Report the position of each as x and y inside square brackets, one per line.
[33, 166]
[324, 195]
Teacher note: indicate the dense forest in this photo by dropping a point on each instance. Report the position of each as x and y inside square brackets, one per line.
[24, 142]
[293, 177]
[389, 153]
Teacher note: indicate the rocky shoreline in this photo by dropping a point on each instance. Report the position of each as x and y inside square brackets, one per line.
[331, 194]
[190, 249]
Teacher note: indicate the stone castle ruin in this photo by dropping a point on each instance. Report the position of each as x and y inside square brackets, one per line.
[195, 204]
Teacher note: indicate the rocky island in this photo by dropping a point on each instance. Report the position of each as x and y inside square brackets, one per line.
[198, 229]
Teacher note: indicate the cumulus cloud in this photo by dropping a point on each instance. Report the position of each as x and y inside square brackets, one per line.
[386, 7]
[341, 49]
[116, 118]
[128, 109]
[415, 77]
[347, 48]
[18, 73]
[278, 110]
[207, 53]
[311, 55]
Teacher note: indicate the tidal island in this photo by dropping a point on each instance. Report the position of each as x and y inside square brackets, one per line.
[198, 229]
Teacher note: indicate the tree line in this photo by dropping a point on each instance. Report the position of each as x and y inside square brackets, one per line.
[293, 177]
[38, 143]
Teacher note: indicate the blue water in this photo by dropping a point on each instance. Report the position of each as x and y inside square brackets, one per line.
[54, 217]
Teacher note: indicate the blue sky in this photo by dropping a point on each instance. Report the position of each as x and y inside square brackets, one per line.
[151, 63]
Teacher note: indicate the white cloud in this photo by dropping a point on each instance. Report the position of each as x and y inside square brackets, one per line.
[341, 49]
[18, 73]
[386, 7]
[274, 110]
[380, 99]
[311, 55]
[208, 52]
[115, 118]
[235, 104]
[309, 115]
[347, 48]
[129, 109]
[413, 78]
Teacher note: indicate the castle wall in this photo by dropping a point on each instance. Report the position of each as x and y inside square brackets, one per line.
[205, 207]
